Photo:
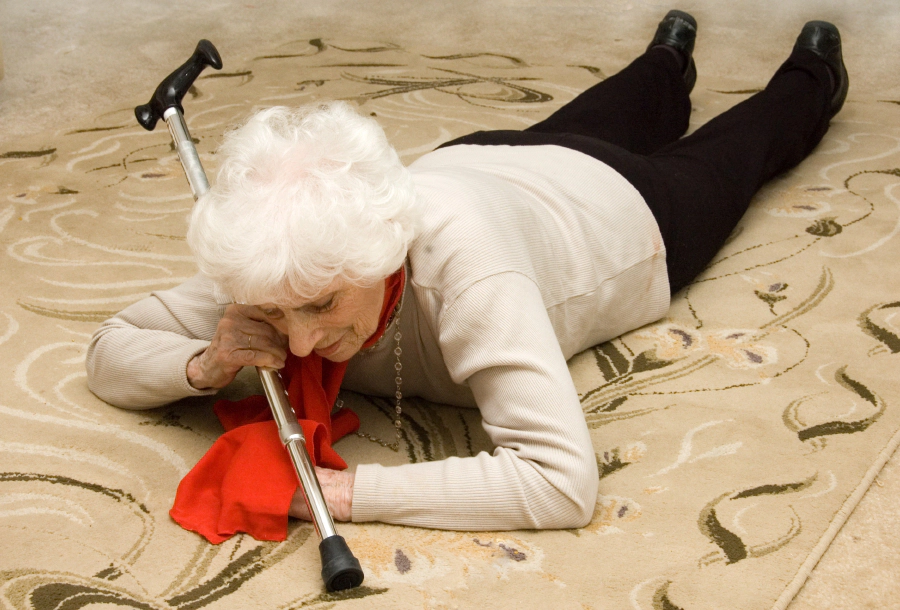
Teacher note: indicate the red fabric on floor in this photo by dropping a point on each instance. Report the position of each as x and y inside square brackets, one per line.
[246, 480]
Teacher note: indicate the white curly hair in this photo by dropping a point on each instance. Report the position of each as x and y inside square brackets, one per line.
[304, 196]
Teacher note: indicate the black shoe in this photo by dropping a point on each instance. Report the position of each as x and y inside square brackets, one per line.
[679, 31]
[823, 39]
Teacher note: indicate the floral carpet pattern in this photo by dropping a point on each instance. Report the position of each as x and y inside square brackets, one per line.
[730, 436]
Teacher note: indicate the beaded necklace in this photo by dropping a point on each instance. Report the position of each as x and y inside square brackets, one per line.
[398, 381]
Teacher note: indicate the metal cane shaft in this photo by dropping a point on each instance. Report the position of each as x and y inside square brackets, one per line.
[340, 569]
[288, 429]
[294, 441]
[187, 153]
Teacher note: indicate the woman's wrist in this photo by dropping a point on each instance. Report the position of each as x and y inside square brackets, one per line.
[194, 374]
[337, 490]
[342, 506]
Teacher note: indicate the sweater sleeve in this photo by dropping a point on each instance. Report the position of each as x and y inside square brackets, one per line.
[138, 359]
[497, 338]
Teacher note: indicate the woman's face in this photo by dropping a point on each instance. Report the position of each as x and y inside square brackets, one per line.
[334, 324]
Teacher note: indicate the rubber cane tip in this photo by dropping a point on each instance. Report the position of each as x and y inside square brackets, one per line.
[340, 569]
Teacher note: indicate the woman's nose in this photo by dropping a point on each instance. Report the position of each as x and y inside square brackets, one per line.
[303, 339]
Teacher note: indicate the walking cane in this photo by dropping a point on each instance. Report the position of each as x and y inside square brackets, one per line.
[340, 569]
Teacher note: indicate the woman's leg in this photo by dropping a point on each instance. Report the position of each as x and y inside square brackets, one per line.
[640, 109]
[700, 186]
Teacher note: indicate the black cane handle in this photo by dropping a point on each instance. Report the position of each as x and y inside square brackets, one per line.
[172, 90]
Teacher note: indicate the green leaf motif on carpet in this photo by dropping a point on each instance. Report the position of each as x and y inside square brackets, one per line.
[815, 433]
[72, 597]
[661, 599]
[890, 340]
[732, 546]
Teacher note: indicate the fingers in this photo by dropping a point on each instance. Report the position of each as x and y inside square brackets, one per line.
[335, 478]
[241, 339]
[337, 489]
[245, 341]
[251, 312]
[250, 320]
[298, 508]
[249, 357]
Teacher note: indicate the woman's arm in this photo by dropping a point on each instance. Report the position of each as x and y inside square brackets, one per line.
[138, 359]
[497, 338]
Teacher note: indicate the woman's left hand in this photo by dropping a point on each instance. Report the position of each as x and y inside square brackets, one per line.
[337, 488]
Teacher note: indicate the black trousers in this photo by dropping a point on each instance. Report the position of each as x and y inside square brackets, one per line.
[698, 187]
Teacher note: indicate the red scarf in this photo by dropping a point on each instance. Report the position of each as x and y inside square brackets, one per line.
[246, 480]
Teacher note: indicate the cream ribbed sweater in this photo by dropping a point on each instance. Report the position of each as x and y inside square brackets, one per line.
[527, 256]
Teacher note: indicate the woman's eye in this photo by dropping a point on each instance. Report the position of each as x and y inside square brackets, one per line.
[321, 307]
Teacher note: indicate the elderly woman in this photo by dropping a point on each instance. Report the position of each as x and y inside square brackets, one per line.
[506, 252]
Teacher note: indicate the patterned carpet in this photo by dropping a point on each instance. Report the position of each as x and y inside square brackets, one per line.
[733, 438]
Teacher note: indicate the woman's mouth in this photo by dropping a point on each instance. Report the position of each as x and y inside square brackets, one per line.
[329, 350]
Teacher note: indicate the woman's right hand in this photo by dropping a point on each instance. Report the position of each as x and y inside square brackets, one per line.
[243, 338]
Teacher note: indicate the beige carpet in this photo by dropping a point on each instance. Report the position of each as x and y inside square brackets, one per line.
[734, 437]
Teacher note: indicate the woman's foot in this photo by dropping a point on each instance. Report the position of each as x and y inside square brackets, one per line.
[677, 32]
[824, 39]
